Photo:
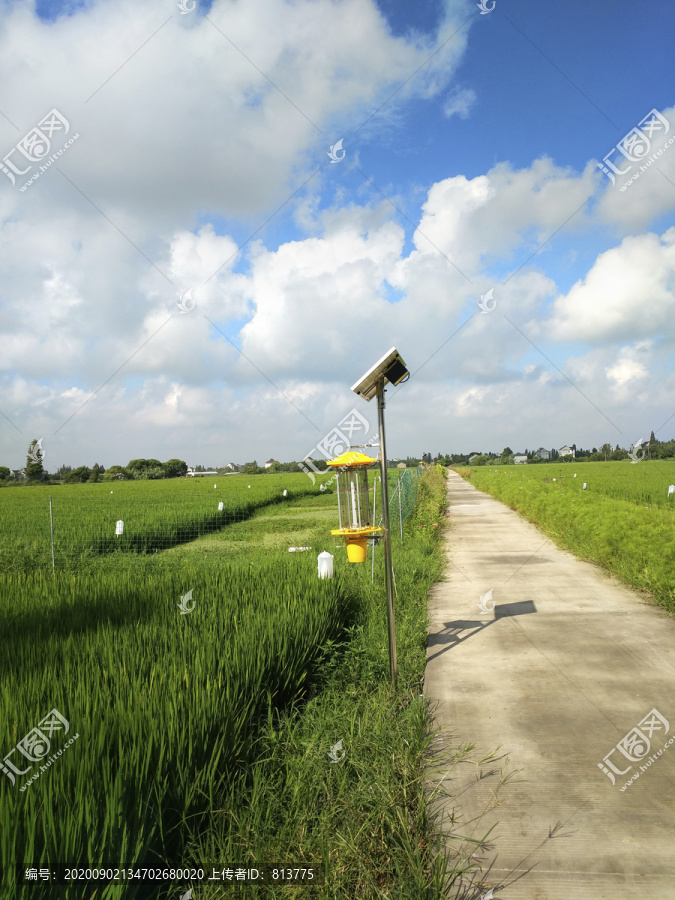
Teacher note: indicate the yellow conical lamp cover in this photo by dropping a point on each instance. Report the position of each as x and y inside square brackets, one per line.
[351, 458]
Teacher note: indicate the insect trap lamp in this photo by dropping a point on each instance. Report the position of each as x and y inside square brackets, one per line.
[389, 370]
[353, 504]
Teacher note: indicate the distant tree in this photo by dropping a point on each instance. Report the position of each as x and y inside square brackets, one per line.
[137, 465]
[606, 449]
[507, 451]
[174, 468]
[34, 469]
[4, 473]
[481, 460]
[535, 459]
[251, 468]
[142, 468]
[117, 473]
[619, 454]
[79, 475]
[97, 473]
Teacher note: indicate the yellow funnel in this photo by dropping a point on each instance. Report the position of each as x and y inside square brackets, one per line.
[356, 551]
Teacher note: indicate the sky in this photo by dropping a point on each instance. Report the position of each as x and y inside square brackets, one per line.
[215, 217]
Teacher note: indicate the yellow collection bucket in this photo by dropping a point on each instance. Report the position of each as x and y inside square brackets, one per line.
[356, 551]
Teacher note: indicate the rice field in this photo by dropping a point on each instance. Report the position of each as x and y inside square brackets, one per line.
[617, 514]
[156, 515]
[162, 652]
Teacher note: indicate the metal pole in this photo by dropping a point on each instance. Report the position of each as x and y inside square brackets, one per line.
[387, 545]
[372, 552]
[51, 525]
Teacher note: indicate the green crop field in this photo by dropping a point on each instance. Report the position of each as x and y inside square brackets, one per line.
[156, 515]
[623, 520]
[159, 713]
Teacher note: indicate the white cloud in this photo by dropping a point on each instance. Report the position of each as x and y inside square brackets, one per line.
[189, 149]
[459, 103]
[628, 293]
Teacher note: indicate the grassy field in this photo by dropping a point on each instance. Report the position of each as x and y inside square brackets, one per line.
[623, 520]
[205, 736]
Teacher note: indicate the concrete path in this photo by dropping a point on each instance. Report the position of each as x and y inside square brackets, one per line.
[563, 669]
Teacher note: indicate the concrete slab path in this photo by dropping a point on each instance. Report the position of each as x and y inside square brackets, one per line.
[572, 676]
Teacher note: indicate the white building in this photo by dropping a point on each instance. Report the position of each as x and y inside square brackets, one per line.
[543, 453]
[566, 451]
[520, 459]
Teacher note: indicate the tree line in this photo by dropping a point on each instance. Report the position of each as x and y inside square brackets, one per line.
[135, 469]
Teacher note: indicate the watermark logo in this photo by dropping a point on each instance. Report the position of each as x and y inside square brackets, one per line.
[484, 304]
[334, 753]
[634, 458]
[334, 150]
[186, 303]
[635, 746]
[484, 8]
[36, 453]
[35, 146]
[337, 441]
[35, 746]
[187, 895]
[184, 8]
[184, 600]
[488, 896]
[635, 147]
[485, 599]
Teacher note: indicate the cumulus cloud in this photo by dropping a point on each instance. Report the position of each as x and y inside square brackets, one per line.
[186, 152]
[628, 293]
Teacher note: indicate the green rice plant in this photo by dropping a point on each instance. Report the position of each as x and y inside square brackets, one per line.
[164, 703]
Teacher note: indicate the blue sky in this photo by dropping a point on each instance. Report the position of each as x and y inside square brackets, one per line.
[202, 148]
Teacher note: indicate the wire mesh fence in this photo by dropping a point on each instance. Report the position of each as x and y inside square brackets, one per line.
[402, 500]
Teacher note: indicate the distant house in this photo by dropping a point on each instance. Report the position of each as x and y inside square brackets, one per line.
[18, 473]
[401, 465]
[566, 451]
[543, 453]
[270, 462]
[230, 466]
[520, 459]
[191, 472]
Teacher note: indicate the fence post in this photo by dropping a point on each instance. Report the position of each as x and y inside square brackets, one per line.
[51, 525]
[400, 514]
